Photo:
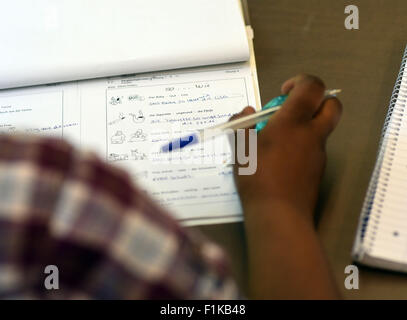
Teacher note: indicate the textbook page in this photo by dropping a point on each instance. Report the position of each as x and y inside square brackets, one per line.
[48, 41]
[48, 110]
[126, 120]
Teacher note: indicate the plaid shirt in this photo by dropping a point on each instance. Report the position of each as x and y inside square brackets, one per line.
[66, 208]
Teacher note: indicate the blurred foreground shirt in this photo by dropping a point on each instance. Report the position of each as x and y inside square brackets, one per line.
[69, 209]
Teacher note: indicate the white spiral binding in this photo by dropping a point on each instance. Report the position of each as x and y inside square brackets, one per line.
[371, 210]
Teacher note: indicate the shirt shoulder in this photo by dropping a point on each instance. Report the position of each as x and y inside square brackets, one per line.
[67, 208]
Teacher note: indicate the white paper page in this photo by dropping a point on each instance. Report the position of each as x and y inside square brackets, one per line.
[128, 119]
[48, 41]
[45, 110]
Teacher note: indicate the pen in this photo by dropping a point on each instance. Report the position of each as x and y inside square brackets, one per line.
[259, 119]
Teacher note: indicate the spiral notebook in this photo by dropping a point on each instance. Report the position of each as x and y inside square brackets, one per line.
[381, 240]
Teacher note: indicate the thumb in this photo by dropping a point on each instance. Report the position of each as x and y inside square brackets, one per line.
[328, 116]
[245, 112]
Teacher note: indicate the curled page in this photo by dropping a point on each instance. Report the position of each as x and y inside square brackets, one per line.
[47, 41]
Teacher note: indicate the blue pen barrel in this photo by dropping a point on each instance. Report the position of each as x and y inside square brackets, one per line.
[277, 101]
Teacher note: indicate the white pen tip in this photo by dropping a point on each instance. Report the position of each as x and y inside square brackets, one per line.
[333, 92]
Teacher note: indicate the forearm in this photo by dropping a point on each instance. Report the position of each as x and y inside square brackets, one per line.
[285, 257]
[286, 260]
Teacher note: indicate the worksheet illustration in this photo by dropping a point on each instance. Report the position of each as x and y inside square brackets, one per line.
[141, 118]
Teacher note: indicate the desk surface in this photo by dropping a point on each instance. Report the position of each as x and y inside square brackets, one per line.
[309, 36]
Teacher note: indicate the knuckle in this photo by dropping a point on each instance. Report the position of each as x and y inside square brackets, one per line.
[313, 81]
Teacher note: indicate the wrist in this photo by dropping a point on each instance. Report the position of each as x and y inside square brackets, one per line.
[277, 212]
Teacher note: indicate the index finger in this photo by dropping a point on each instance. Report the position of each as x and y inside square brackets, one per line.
[306, 94]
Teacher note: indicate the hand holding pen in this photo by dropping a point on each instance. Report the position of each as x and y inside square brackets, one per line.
[279, 199]
[259, 119]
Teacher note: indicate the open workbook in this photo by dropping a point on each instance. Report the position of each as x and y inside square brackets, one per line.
[381, 240]
[202, 72]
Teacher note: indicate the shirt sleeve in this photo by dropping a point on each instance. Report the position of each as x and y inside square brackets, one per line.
[72, 226]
